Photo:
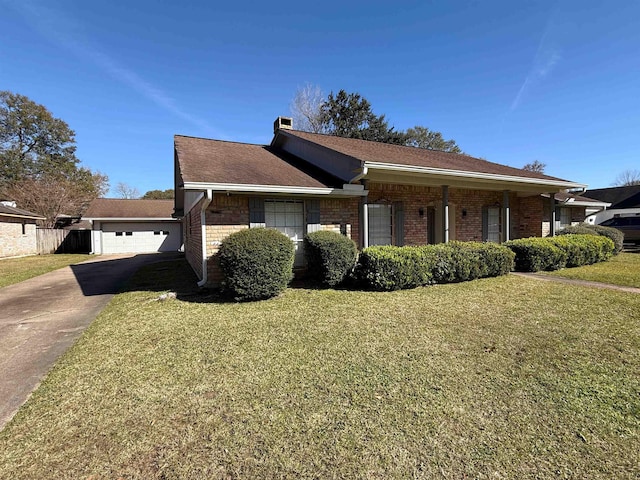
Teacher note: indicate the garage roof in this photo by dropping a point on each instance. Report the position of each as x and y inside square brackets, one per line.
[125, 209]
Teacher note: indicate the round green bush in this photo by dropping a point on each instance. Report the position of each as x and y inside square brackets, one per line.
[257, 263]
[330, 256]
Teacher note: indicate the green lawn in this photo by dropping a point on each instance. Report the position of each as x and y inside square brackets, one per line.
[14, 270]
[497, 378]
[623, 269]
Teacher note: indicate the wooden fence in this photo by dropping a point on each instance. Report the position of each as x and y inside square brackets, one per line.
[55, 240]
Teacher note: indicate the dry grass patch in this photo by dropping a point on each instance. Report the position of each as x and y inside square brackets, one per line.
[498, 378]
[623, 269]
[15, 270]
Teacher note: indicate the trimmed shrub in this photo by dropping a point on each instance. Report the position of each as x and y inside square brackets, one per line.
[471, 260]
[330, 256]
[616, 236]
[584, 249]
[394, 268]
[553, 253]
[535, 254]
[257, 263]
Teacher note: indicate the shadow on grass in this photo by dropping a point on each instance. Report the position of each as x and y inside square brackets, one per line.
[109, 275]
[177, 276]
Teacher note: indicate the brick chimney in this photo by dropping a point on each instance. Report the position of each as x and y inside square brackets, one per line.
[286, 123]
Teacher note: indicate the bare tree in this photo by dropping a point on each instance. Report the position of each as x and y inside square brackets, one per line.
[535, 166]
[305, 109]
[52, 196]
[627, 178]
[124, 190]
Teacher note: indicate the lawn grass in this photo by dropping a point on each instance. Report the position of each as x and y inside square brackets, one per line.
[623, 269]
[14, 270]
[497, 378]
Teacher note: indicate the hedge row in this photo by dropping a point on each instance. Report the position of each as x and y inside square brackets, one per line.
[552, 253]
[396, 268]
[585, 229]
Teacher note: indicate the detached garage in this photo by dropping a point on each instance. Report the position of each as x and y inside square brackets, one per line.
[133, 226]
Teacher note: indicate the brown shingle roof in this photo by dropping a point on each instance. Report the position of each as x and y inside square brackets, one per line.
[18, 212]
[375, 152]
[121, 208]
[562, 197]
[216, 161]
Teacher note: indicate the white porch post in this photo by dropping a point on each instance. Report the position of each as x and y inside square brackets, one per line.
[365, 217]
[445, 213]
[552, 216]
[507, 216]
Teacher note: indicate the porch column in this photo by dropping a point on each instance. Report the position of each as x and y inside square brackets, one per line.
[364, 211]
[506, 211]
[552, 215]
[445, 213]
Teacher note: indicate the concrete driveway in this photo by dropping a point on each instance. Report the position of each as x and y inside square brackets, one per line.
[41, 317]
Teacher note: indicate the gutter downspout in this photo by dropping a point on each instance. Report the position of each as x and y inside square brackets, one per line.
[363, 173]
[207, 201]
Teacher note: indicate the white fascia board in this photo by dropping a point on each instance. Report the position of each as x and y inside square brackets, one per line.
[578, 203]
[129, 219]
[245, 188]
[16, 215]
[475, 175]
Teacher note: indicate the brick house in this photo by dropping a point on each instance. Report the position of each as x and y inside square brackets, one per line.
[375, 193]
[17, 231]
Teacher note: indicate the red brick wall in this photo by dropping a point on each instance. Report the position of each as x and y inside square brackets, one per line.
[529, 216]
[468, 227]
[228, 214]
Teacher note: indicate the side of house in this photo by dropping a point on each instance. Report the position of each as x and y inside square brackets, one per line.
[17, 231]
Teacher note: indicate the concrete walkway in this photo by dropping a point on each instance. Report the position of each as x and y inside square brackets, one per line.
[572, 281]
[42, 317]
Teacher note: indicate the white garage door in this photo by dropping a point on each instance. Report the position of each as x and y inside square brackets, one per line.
[140, 237]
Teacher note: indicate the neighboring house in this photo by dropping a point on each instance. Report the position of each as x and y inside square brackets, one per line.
[572, 209]
[375, 193]
[133, 226]
[623, 202]
[17, 231]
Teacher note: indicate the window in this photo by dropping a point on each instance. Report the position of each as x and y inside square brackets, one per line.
[129, 234]
[287, 216]
[156, 232]
[493, 224]
[380, 224]
[24, 228]
[565, 217]
[118, 234]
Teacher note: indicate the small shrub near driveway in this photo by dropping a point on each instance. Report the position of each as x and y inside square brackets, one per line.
[330, 256]
[398, 268]
[257, 263]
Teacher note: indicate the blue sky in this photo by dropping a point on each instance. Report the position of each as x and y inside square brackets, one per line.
[512, 82]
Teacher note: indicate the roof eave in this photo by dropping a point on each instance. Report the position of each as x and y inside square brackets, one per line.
[350, 191]
[130, 219]
[17, 215]
[460, 174]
